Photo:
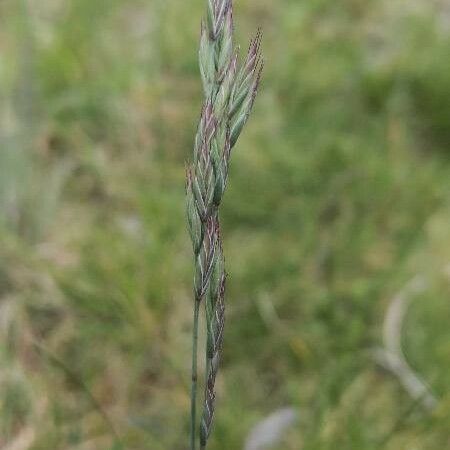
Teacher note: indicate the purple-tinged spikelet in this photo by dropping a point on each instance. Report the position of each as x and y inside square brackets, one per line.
[229, 96]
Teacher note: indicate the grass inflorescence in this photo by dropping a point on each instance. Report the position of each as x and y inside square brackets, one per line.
[229, 94]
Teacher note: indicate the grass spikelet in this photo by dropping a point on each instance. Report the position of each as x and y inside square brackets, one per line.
[229, 94]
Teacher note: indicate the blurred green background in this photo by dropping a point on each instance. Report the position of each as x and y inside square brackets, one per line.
[339, 194]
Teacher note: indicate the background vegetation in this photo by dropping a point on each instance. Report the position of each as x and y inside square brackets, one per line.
[339, 194]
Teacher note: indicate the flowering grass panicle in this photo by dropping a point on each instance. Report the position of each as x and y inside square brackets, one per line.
[229, 94]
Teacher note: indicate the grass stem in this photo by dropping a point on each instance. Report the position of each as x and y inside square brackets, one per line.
[194, 376]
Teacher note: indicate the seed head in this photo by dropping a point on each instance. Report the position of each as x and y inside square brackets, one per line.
[229, 94]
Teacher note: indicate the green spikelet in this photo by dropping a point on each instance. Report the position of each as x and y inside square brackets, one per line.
[229, 96]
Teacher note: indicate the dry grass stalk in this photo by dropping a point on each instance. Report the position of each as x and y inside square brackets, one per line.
[270, 430]
[391, 356]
